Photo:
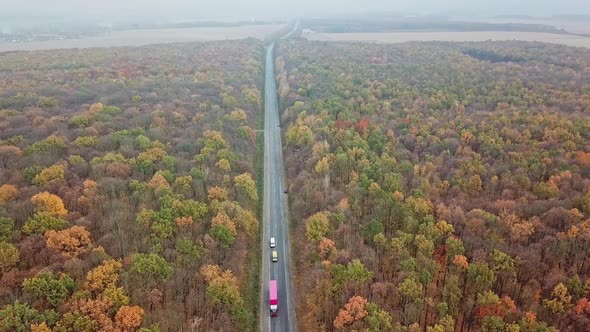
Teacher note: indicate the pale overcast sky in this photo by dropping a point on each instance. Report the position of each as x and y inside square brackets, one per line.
[296, 7]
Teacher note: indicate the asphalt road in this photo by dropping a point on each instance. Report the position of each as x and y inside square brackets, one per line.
[275, 222]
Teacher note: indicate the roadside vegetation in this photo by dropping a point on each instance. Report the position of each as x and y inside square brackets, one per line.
[438, 186]
[128, 194]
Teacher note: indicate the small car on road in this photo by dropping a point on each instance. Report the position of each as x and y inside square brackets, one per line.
[275, 256]
[273, 242]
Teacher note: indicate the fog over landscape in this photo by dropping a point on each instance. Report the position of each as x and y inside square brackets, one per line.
[289, 8]
[36, 25]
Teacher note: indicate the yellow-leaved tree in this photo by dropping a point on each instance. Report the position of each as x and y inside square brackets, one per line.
[7, 193]
[50, 203]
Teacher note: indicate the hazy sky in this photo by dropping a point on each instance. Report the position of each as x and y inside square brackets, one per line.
[286, 7]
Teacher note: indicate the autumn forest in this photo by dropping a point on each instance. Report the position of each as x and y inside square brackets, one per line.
[129, 195]
[445, 185]
[439, 187]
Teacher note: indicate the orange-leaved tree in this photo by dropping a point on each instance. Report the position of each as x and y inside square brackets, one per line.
[129, 318]
[71, 242]
[47, 202]
[7, 193]
[353, 311]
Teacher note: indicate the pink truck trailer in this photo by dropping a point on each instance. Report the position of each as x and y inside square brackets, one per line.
[274, 299]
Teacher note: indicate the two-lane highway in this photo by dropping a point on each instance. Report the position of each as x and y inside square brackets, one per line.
[275, 223]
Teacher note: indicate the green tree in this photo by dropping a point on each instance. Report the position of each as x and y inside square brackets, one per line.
[317, 226]
[6, 228]
[493, 324]
[560, 300]
[42, 222]
[76, 160]
[455, 248]
[187, 251]
[18, 317]
[146, 160]
[528, 325]
[353, 273]
[229, 101]
[143, 142]
[420, 206]
[223, 291]
[86, 141]
[54, 289]
[47, 102]
[377, 319]
[168, 164]
[116, 296]
[480, 276]
[183, 184]
[80, 121]
[412, 294]
[546, 190]
[244, 183]
[446, 324]
[30, 172]
[373, 228]
[153, 328]
[76, 322]
[189, 208]
[151, 268]
[584, 202]
[50, 175]
[575, 287]
[8, 257]
[410, 289]
[223, 235]
[452, 294]
[51, 143]
[111, 110]
[504, 266]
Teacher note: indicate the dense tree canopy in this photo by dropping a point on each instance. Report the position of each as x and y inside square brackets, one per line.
[122, 172]
[438, 186]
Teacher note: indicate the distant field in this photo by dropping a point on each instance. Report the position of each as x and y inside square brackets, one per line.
[400, 37]
[572, 26]
[146, 37]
